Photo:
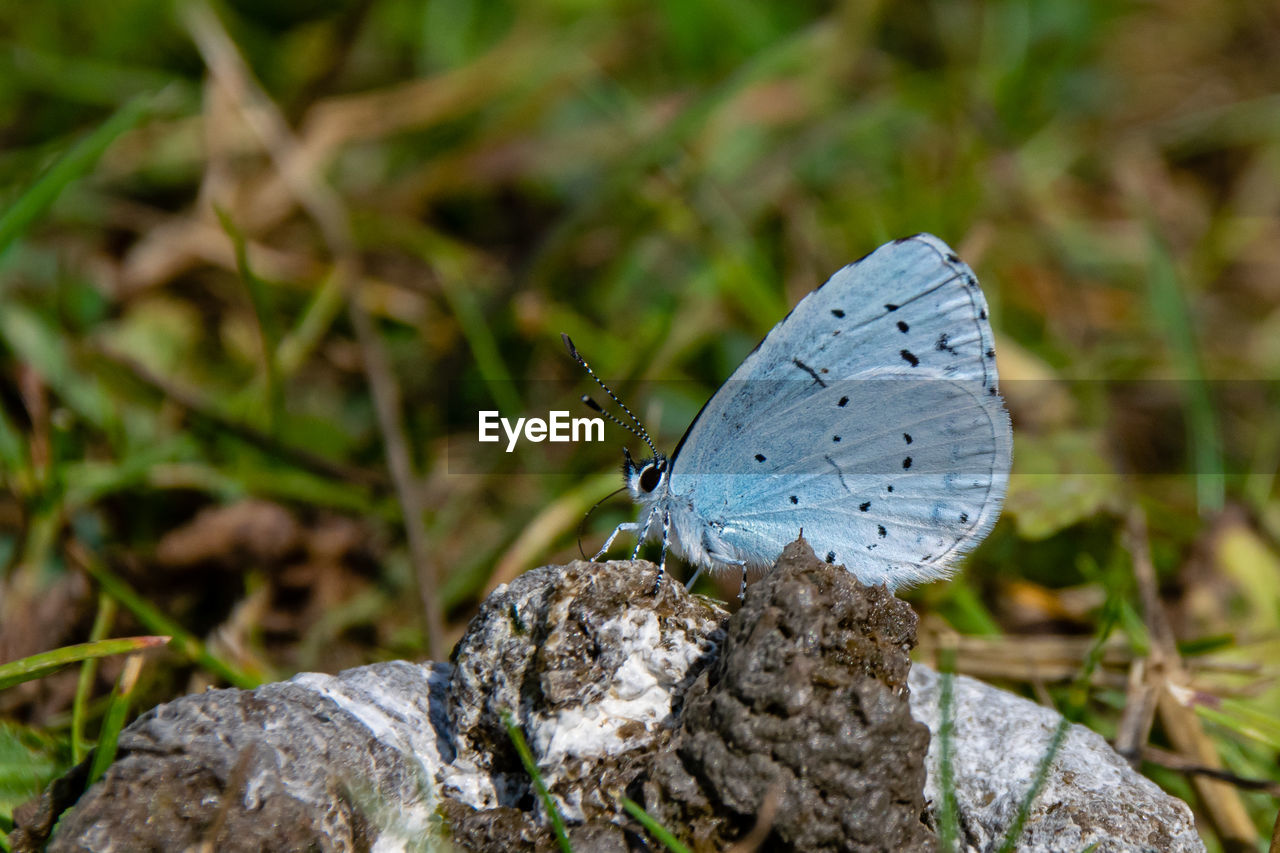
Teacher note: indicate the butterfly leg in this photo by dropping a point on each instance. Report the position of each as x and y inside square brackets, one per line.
[644, 534]
[627, 526]
[689, 583]
[662, 564]
[730, 561]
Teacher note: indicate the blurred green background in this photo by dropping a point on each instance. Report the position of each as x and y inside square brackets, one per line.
[259, 263]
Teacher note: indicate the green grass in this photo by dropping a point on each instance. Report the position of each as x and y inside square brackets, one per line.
[948, 813]
[655, 829]
[41, 665]
[661, 182]
[539, 786]
[113, 720]
[35, 200]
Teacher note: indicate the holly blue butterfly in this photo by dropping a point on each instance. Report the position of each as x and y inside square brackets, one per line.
[868, 419]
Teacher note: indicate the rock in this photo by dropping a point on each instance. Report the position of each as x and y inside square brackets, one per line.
[807, 704]
[1090, 797]
[593, 669]
[317, 763]
[798, 701]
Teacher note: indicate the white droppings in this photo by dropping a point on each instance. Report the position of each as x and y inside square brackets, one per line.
[639, 691]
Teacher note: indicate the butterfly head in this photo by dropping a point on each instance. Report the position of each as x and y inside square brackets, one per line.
[645, 479]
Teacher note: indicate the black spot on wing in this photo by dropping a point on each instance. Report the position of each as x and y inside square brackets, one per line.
[760, 457]
[888, 488]
[953, 257]
[903, 327]
[909, 357]
[964, 518]
[889, 306]
[991, 353]
[836, 312]
[839, 473]
[864, 506]
[880, 529]
[844, 401]
[982, 315]
[906, 463]
[794, 499]
[906, 436]
[809, 370]
[835, 438]
[831, 556]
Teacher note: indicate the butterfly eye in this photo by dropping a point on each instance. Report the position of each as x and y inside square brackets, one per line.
[650, 477]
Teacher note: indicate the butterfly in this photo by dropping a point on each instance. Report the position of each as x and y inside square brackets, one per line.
[868, 420]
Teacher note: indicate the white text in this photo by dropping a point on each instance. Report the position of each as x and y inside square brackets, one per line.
[557, 427]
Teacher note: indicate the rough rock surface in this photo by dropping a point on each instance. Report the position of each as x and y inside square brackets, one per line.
[316, 763]
[808, 704]
[617, 691]
[1090, 796]
[592, 667]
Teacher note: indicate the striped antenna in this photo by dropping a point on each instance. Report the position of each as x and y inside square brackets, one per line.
[638, 431]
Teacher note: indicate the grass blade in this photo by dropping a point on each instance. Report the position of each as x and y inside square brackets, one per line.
[1170, 309]
[1232, 714]
[40, 665]
[113, 722]
[1077, 698]
[184, 642]
[458, 269]
[29, 760]
[15, 464]
[41, 195]
[318, 316]
[526, 758]
[90, 80]
[264, 313]
[1042, 774]
[948, 811]
[36, 338]
[654, 828]
[88, 672]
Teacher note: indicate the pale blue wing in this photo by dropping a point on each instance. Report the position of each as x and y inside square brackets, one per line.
[869, 417]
